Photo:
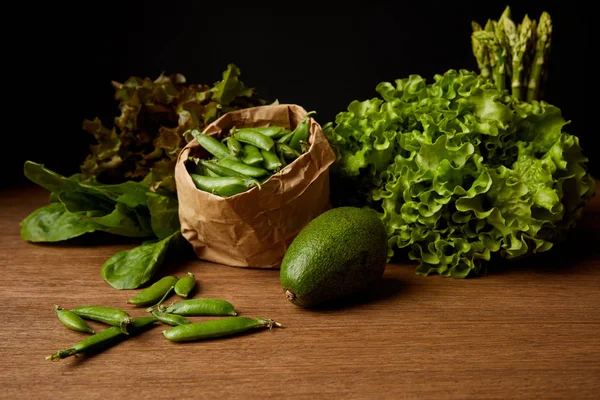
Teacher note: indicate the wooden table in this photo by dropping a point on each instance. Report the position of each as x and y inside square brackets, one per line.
[530, 331]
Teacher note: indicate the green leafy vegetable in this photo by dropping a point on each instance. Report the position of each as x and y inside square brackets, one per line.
[130, 269]
[459, 171]
[165, 214]
[53, 223]
[149, 133]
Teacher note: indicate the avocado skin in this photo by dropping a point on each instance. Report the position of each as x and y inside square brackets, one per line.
[337, 254]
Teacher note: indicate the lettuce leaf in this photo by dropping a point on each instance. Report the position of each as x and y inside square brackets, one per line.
[459, 171]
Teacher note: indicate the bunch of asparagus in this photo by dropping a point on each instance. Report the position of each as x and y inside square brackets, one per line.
[514, 56]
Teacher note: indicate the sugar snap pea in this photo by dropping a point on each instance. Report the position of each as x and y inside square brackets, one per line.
[287, 151]
[107, 315]
[217, 328]
[301, 133]
[234, 146]
[201, 306]
[248, 170]
[185, 285]
[212, 145]
[221, 170]
[72, 320]
[103, 339]
[285, 138]
[225, 186]
[254, 138]
[153, 293]
[252, 155]
[170, 319]
[272, 162]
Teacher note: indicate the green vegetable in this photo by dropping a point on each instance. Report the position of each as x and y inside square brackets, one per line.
[103, 339]
[217, 328]
[155, 292]
[72, 320]
[170, 319]
[225, 186]
[130, 269]
[185, 285]
[252, 155]
[152, 127]
[212, 145]
[247, 170]
[459, 171]
[513, 55]
[301, 132]
[271, 161]
[254, 138]
[108, 315]
[201, 306]
[338, 254]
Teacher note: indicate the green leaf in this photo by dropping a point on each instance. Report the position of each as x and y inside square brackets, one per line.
[164, 214]
[130, 269]
[53, 223]
[48, 179]
[130, 193]
[230, 87]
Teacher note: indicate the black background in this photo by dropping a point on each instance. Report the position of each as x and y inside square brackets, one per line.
[63, 58]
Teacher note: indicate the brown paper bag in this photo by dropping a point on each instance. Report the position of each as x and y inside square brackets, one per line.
[255, 228]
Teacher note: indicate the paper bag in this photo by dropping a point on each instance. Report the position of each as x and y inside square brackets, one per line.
[255, 228]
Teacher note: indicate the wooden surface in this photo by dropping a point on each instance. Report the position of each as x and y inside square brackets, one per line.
[529, 331]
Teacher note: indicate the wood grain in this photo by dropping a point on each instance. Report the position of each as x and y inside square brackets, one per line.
[531, 330]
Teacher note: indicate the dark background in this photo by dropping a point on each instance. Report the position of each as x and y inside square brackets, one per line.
[63, 58]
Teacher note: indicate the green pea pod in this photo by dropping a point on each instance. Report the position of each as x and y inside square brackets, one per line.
[301, 133]
[254, 138]
[287, 151]
[217, 328]
[154, 293]
[270, 131]
[108, 315]
[212, 145]
[234, 146]
[170, 319]
[252, 155]
[72, 320]
[201, 306]
[272, 162]
[224, 186]
[220, 170]
[285, 138]
[103, 339]
[185, 285]
[248, 170]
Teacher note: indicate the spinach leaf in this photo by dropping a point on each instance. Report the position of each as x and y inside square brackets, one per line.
[48, 179]
[53, 223]
[164, 214]
[130, 269]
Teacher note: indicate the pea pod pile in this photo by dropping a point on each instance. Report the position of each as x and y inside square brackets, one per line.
[181, 329]
[246, 157]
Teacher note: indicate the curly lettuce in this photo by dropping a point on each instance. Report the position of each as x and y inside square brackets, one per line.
[459, 171]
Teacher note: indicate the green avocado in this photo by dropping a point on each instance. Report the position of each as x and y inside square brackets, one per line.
[337, 254]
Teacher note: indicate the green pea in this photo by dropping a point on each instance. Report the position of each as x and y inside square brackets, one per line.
[248, 170]
[301, 133]
[269, 131]
[224, 186]
[217, 328]
[103, 339]
[272, 162]
[185, 285]
[212, 145]
[202, 306]
[153, 293]
[234, 146]
[72, 320]
[254, 138]
[170, 319]
[107, 315]
[252, 155]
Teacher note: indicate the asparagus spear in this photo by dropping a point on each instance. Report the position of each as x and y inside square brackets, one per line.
[542, 50]
[481, 52]
[495, 51]
[520, 47]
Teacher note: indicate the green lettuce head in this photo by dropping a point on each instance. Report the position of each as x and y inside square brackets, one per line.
[459, 171]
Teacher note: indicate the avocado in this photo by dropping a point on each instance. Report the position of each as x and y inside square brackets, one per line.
[337, 254]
